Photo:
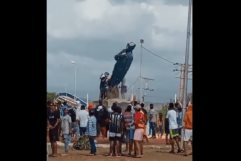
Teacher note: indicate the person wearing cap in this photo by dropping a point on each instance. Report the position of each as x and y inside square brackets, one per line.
[139, 121]
[90, 106]
[91, 131]
[187, 129]
[101, 115]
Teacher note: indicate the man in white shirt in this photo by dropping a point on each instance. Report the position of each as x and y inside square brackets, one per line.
[82, 117]
[173, 127]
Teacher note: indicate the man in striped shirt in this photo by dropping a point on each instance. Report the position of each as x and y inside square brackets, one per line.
[129, 128]
[116, 123]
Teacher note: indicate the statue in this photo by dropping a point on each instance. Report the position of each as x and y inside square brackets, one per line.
[122, 65]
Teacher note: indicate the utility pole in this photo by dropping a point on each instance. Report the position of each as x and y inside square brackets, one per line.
[146, 86]
[75, 68]
[187, 58]
[141, 41]
[180, 97]
[181, 84]
[186, 64]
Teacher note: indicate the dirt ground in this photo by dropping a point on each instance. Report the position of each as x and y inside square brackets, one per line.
[157, 153]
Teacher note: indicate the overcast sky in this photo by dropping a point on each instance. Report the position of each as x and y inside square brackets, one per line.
[91, 32]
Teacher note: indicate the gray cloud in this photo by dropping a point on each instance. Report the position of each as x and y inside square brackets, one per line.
[176, 2]
[167, 2]
[116, 2]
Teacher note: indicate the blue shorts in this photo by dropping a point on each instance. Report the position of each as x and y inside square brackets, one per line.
[130, 135]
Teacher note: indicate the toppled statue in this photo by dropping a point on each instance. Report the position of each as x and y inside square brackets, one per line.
[122, 65]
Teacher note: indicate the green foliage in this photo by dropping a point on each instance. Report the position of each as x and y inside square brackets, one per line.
[51, 96]
[164, 110]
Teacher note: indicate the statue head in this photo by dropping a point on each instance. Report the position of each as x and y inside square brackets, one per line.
[130, 46]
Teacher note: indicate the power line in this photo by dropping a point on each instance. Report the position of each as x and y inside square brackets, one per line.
[158, 56]
[184, 78]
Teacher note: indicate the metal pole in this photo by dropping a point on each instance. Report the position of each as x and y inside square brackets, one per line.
[87, 100]
[186, 63]
[187, 57]
[175, 97]
[73, 62]
[75, 84]
[181, 92]
[141, 41]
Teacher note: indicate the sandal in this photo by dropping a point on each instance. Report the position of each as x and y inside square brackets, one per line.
[91, 154]
[53, 155]
[180, 151]
[109, 155]
[138, 156]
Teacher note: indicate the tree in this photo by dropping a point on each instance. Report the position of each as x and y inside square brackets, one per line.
[164, 110]
[51, 96]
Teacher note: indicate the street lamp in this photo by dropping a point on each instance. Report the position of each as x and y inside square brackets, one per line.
[141, 99]
[73, 62]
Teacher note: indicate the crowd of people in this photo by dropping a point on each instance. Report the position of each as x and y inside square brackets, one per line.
[121, 126]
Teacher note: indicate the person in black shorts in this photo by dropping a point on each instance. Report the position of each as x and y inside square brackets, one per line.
[53, 118]
[167, 132]
[116, 124]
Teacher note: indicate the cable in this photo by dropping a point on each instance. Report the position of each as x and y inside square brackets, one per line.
[158, 56]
